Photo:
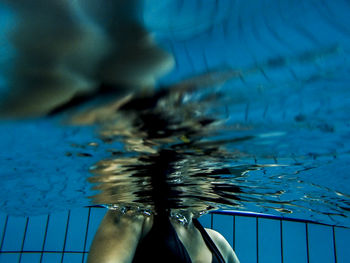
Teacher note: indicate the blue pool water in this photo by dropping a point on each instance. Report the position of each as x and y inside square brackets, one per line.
[273, 77]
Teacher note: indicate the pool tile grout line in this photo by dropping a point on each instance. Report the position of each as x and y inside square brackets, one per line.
[65, 237]
[86, 232]
[45, 236]
[23, 239]
[4, 232]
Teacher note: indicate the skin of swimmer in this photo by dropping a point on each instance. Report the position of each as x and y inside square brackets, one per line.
[65, 48]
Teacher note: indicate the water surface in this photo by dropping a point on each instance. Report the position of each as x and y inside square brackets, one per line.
[253, 117]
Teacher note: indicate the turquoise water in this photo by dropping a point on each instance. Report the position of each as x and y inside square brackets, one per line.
[259, 123]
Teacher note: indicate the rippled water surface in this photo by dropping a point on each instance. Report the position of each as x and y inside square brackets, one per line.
[254, 117]
[183, 150]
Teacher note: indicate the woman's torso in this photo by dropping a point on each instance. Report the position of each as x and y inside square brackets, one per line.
[165, 240]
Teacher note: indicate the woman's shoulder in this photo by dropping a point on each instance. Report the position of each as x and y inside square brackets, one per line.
[223, 246]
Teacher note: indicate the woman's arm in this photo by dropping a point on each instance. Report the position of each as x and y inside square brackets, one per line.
[116, 239]
[224, 247]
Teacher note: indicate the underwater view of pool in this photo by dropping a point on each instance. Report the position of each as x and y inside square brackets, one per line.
[254, 116]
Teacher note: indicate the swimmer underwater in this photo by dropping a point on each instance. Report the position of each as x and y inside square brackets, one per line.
[157, 238]
[66, 50]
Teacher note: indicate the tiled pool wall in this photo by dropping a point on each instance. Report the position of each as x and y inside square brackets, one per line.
[67, 236]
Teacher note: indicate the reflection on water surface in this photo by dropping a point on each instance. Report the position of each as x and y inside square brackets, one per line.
[217, 140]
[183, 151]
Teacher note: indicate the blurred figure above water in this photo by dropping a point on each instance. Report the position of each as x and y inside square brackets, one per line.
[67, 49]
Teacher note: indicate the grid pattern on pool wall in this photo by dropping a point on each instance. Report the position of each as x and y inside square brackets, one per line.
[60, 237]
[67, 236]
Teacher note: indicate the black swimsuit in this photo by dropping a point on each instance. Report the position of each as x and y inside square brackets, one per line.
[162, 244]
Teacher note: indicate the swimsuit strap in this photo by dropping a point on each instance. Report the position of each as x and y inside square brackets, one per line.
[217, 257]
